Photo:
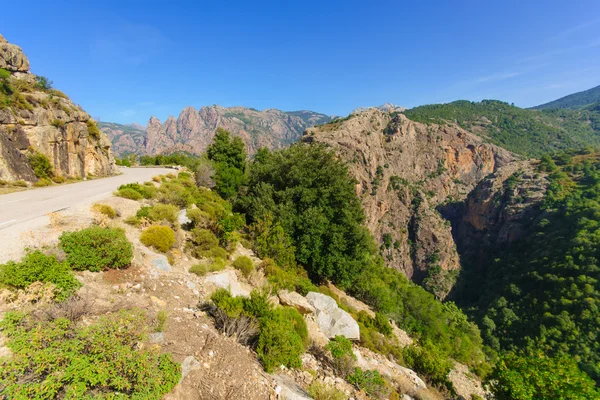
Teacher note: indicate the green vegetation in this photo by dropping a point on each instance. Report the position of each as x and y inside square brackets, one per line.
[159, 212]
[244, 264]
[61, 358]
[146, 191]
[38, 267]
[43, 83]
[523, 131]
[105, 209]
[229, 159]
[96, 249]
[370, 381]
[93, 129]
[538, 377]
[320, 391]
[281, 336]
[162, 238]
[574, 101]
[129, 193]
[42, 168]
[181, 158]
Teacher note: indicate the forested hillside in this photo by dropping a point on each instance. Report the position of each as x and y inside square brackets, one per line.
[574, 101]
[527, 132]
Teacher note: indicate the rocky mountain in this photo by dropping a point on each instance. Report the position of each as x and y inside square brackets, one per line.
[194, 129]
[574, 101]
[34, 118]
[405, 171]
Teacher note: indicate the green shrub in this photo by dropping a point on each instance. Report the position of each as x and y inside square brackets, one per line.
[133, 220]
[340, 346]
[161, 321]
[143, 212]
[321, 391]
[42, 168]
[93, 129]
[57, 123]
[61, 359]
[279, 343]
[129, 193]
[203, 239]
[175, 193]
[244, 264]
[370, 381]
[59, 179]
[20, 183]
[42, 182]
[106, 210]
[147, 192]
[166, 212]
[428, 360]
[232, 306]
[213, 265]
[38, 267]
[162, 238]
[289, 278]
[96, 249]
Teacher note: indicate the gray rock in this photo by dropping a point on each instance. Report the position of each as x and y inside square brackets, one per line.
[332, 320]
[287, 389]
[161, 262]
[188, 365]
[182, 218]
[228, 280]
[295, 300]
[156, 337]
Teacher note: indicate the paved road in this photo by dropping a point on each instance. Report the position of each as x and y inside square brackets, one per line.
[20, 207]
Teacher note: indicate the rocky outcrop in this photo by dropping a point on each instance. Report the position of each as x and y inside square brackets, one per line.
[295, 300]
[405, 171]
[194, 129]
[332, 320]
[125, 139]
[36, 118]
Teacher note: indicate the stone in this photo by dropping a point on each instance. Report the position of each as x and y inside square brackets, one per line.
[296, 300]
[161, 262]
[287, 389]
[228, 280]
[156, 337]
[188, 365]
[331, 319]
[160, 303]
[182, 218]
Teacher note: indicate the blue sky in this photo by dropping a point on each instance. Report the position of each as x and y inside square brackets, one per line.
[124, 61]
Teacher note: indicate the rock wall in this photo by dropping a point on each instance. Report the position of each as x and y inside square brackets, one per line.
[46, 120]
[405, 172]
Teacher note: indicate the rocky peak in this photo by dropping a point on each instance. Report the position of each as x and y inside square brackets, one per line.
[12, 57]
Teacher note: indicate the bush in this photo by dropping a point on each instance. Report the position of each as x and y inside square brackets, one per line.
[38, 267]
[321, 391]
[279, 343]
[129, 193]
[214, 265]
[147, 192]
[20, 183]
[106, 210]
[96, 249]
[166, 212]
[290, 278]
[59, 179]
[93, 129]
[133, 221]
[203, 239]
[60, 359]
[162, 238]
[244, 264]
[340, 346]
[42, 168]
[42, 182]
[428, 360]
[370, 381]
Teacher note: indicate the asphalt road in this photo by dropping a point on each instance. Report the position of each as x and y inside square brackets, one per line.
[20, 207]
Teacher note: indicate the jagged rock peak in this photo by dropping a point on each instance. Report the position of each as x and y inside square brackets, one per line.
[12, 57]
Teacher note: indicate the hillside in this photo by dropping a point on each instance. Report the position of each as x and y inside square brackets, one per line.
[193, 130]
[573, 101]
[43, 134]
[526, 132]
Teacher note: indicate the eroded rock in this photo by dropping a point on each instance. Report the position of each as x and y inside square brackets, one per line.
[296, 300]
[332, 320]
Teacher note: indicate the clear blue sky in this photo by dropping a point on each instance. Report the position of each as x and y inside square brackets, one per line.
[124, 60]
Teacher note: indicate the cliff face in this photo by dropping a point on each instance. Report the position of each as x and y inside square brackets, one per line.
[194, 129]
[125, 139]
[35, 117]
[405, 172]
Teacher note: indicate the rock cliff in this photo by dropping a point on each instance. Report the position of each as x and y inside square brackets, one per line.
[36, 118]
[405, 172]
[194, 129]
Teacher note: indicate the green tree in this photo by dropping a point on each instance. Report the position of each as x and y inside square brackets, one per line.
[307, 190]
[229, 158]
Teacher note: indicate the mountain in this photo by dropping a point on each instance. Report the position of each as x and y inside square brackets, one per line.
[404, 171]
[523, 131]
[573, 101]
[193, 130]
[37, 120]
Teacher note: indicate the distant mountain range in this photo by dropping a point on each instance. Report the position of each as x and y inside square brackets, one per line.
[574, 101]
[194, 129]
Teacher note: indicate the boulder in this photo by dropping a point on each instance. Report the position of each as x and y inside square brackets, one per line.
[332, 320]
[12, 57]
[182, 218]
[296, 300]
[188, 365]
[228, 280]
[287, 389]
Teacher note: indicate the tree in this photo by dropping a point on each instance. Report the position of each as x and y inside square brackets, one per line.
[205, 174]
[229, 158]
[538, 377]
[308, 191]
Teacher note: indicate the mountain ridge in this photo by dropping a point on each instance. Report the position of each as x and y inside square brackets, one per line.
[573, 101]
